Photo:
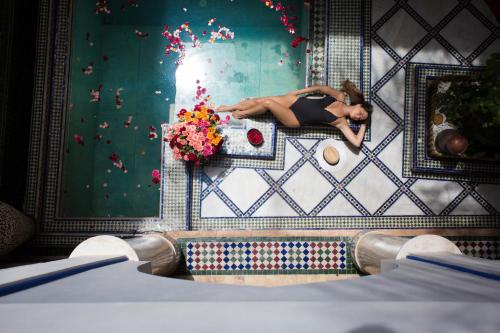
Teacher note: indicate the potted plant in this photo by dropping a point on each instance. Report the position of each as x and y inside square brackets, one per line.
[472, 106]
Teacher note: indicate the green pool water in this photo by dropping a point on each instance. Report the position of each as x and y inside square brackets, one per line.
[259, 61]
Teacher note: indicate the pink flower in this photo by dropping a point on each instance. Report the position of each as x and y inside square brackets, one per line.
[198, 147]
[297, 41]
[156, 176]
[177, 156]
[225, 121]
[203, 123]
[78, 139]
[207, 150]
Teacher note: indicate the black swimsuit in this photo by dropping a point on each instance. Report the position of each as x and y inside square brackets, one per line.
[311, 111]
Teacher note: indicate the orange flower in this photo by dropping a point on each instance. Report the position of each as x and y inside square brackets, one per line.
[201, 114]
[211, 133]
[187, 116]
[216, 140]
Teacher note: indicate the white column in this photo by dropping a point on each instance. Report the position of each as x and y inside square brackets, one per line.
[372, 246]
[162, 253]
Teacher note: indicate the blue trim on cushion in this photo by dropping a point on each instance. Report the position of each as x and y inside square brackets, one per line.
[35, 281]
[490, 276]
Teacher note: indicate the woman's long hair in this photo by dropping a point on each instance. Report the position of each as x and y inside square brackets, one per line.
[356, 96]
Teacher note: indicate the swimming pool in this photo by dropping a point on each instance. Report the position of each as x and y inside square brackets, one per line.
[122, 87]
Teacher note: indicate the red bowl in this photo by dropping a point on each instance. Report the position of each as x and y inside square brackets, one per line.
[255, 137]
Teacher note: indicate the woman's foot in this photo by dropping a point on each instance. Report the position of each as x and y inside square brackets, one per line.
[242, 105]
[224, 108]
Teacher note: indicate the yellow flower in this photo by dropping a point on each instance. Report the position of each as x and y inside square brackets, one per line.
[201, 114]
[216, 140]
[211, 133]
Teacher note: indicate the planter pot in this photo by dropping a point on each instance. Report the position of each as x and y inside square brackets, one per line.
[451, 142]
[15, 228]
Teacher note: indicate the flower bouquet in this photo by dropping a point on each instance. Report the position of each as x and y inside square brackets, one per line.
[197, 135]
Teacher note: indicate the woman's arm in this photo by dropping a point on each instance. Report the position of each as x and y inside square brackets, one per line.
[338, 95]
[306, 90]
[354, 139]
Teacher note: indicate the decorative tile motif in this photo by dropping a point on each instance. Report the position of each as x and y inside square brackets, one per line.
[317, 31]
[292, 255]
[348, 45]
[456, 33]
[39, 111]
[47, 132]
[487, 249]
[399, 207]
[175, 184]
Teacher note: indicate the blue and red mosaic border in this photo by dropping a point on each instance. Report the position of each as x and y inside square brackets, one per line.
[310, 255]
[293, 255]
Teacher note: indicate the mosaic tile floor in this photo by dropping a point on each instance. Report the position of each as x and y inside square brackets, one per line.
[375, 187]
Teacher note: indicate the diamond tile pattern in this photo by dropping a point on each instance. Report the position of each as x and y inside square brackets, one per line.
[487, 249]
[293, 255]
[401, 32]
[244, 187]
[271, 255]
[465, 33]
[307, 187]
[371, 187]
[432, 11]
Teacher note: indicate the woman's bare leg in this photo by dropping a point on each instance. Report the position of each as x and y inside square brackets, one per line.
[285, 100]
[259, 108]
[279, 111]
[243, 105]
